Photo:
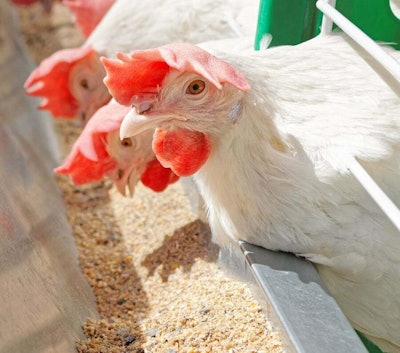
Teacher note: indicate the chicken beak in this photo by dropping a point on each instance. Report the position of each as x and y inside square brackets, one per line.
[134, 123]
[120, 187]
[126, 180]
[131, 187]
[119, 180]
[46, 5]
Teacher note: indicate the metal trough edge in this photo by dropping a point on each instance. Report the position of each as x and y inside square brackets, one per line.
[298, 303]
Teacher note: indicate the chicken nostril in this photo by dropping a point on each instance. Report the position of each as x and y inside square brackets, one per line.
[143, 107]
[143, 102]
[120, 173]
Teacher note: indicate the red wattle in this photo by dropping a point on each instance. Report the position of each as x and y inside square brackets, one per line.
[156, 177]
[184, 151]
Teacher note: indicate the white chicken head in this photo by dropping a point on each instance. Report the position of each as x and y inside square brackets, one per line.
[99, 153]
[183, 91]
[71, 83]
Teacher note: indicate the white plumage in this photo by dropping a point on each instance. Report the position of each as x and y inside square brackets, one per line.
[130, 25]
[275, 175]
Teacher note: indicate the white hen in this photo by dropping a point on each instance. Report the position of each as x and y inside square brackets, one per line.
[266, 135]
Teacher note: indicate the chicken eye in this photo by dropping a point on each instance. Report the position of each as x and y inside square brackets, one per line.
[84, 83]
[196, 87]
[126, 142]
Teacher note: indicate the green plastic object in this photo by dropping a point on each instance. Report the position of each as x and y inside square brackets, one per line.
[372, 348]
[288, 21]
[292, 22]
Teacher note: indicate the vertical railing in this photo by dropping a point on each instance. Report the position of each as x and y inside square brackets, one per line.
[331, 15]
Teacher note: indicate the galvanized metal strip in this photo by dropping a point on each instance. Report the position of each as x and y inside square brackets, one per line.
[309, 319]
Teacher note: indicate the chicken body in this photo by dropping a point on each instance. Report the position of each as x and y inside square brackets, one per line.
[267, 136]
[128, 25]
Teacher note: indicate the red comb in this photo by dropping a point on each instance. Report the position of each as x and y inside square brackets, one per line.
[83, 170]
[88, 13]
[124, 80]
[89, 160]
[50, 80]
[144, 70]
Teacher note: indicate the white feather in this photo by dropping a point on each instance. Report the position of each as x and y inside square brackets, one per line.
[130, 24]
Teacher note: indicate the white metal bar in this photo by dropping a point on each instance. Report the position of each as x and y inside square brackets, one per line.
[327, 23]
[391, 64]
[383, 201]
